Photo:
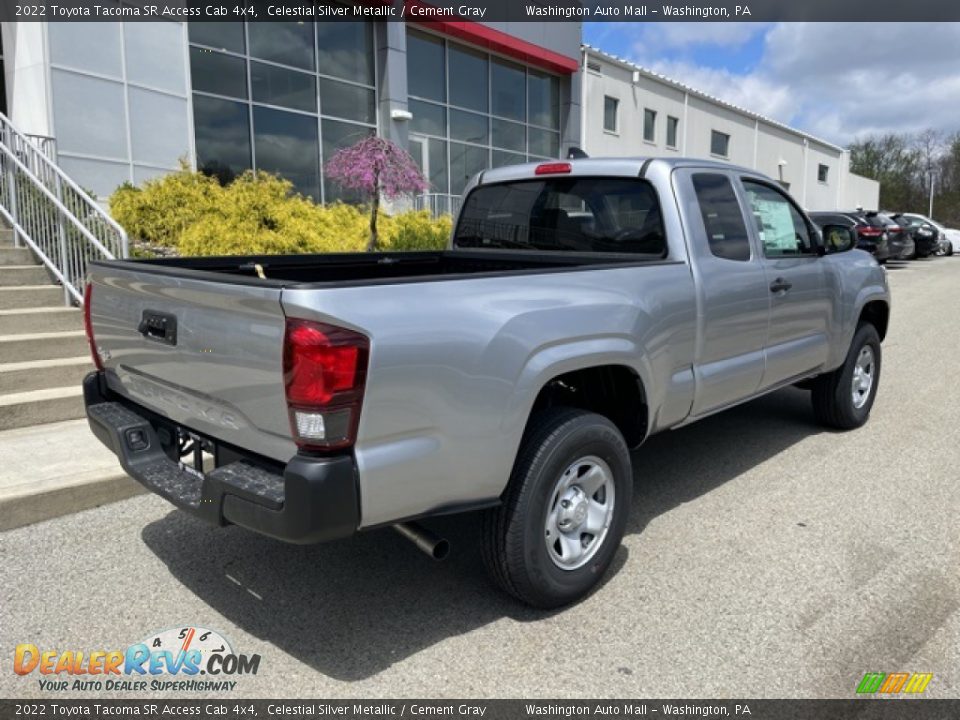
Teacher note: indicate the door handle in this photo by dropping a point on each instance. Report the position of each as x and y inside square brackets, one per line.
[780, 285]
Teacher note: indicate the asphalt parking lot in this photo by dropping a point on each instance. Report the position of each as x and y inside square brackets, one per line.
[765, 557]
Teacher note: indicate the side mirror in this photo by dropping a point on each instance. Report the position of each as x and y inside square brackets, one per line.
[838, 239]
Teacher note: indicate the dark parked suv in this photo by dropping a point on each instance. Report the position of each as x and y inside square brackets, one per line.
[876, 233]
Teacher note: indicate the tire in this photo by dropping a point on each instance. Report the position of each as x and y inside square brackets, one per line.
[833, 394]
[560, 448]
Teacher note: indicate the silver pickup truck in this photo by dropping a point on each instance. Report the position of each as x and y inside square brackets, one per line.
[582, 306]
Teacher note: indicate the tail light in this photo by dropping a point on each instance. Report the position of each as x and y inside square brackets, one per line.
[88, 324]
[866, 231]
[324, 373]
[556, 168]
[893, 228]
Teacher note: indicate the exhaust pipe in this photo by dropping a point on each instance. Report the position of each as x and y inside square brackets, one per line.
[425, 540]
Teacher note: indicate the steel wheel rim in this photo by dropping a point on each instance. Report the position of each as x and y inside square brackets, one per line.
[864, 372]
[579, 513]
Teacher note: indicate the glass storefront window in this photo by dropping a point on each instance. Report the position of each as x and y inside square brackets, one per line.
[347, 101]
[465, 162]
[497, 112]
[274, 85]
[428, 118]
[289, 43]
[469, 127]
[282, 123]
[469, 80]
[501, 158]
[218, 73]
[345, 50]
[544, 97]
[508, 90]
[426, 69]
[286, 144]
[543, 142]
[509, 135]
[222, 130]
[220, 35]
[439, 177]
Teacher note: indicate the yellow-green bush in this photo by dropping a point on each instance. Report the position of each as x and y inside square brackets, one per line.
[260, 214]
[165, 207]
[415, 230]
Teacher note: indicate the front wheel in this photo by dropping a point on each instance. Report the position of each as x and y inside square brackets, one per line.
[843, 399]
[564, 511]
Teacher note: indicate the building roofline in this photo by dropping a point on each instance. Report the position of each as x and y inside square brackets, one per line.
[647, 72]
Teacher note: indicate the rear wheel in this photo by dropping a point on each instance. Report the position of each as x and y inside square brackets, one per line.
[843, 399]
[564, 511]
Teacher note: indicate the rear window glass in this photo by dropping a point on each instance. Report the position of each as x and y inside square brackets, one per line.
[573, 214]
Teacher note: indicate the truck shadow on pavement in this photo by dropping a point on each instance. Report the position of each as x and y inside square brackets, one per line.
[352, 608]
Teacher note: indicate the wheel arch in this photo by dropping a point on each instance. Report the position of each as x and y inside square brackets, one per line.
[877, 313]
[613, 390]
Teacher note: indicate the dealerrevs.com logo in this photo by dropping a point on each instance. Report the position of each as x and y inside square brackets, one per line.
[186, 659]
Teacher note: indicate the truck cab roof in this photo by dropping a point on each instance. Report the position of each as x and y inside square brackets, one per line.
[605, 166]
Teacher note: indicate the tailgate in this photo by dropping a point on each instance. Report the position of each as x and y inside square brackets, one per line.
[207, 354]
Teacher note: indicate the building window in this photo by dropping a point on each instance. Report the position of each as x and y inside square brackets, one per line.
[472, 111]
[823, 172]
[281, 97]
[719, 143]
[610, 108]
[722, 218]
[672, 125]
[649, 125]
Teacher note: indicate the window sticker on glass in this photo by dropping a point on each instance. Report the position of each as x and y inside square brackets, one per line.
[774, 223]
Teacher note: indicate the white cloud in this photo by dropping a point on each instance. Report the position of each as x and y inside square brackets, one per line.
[751, 91]
[836, 80]
[680, 35]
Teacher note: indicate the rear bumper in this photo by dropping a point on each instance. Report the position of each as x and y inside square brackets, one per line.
[307, 501]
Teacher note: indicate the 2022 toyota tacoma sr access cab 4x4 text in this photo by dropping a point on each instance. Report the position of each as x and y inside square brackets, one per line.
[582, 306]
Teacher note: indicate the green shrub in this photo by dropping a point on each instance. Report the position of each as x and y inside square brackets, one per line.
[259, 215]
[416, 230]
[165, 207]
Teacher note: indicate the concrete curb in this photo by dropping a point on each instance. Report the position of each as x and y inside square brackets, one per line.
[56, 469]
[27, 508]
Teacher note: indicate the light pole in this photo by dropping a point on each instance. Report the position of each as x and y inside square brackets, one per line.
[930, 209]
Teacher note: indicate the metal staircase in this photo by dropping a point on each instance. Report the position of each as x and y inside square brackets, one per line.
[53, 229]
[51, 215]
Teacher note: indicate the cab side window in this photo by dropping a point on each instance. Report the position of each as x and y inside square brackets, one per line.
[722, 218]
[783, 231]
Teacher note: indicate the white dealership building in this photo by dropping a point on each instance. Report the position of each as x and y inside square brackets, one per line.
[630, 110]
[125, 101]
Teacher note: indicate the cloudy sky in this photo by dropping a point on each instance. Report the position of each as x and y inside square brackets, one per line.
[835, 80]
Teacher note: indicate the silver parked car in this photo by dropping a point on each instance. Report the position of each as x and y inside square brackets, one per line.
[581, 307]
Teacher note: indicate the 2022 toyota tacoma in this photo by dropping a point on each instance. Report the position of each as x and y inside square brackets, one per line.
[582, 306]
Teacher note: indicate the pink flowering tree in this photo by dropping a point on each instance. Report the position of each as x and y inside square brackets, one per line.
[376, 167]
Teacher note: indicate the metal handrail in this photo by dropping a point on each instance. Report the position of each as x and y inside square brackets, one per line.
[47, 144]
[51, 214]
[438, 203]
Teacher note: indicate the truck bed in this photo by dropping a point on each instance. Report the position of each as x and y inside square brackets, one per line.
[375, 268]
